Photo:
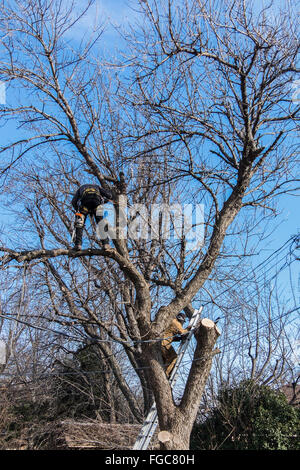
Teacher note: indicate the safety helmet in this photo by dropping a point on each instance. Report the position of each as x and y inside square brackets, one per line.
[181, 317]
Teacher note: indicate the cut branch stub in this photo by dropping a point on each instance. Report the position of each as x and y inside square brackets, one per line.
[207, 333]
[164, 436]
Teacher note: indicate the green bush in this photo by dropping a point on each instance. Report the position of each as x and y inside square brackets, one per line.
[249, 417]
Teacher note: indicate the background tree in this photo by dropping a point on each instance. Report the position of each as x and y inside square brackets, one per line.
[203, 115]
[84, 387]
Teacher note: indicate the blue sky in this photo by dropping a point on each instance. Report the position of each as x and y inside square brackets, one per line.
[111, 14]
[117, 13]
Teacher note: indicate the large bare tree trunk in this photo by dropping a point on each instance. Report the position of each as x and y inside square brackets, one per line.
[176, 421]
[208, 85]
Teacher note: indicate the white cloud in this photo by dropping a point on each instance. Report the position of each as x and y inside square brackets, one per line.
[106, 12]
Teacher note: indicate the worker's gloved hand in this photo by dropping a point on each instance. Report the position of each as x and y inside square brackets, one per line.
[177, 338]
[184, 337]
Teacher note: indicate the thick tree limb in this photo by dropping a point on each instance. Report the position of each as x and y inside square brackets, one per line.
[143, 299]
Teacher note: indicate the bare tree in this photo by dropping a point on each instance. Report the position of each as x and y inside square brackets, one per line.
[204, 114]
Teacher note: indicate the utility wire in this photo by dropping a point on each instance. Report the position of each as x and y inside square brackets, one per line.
[97, 340]
[279, 317]
[257, 268]
[133, 342]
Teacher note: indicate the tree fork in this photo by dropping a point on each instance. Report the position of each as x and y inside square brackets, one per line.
[175, 432]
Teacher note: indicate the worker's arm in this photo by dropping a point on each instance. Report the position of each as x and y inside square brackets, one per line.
[181, 333]
[107, 195]
[181, 330]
